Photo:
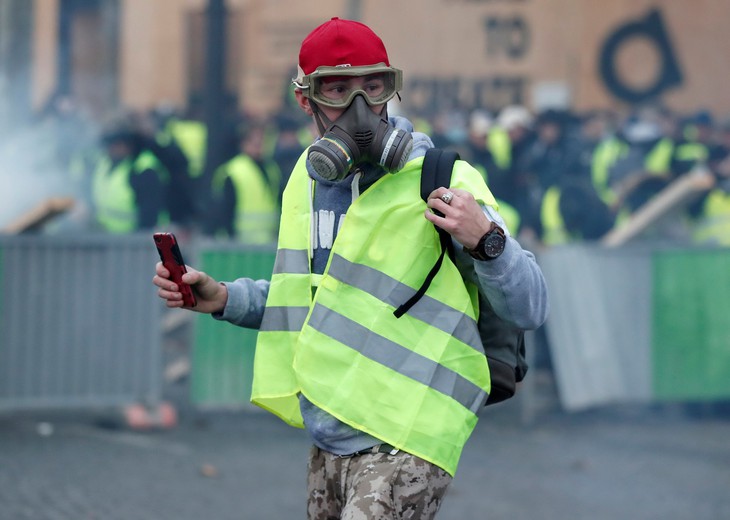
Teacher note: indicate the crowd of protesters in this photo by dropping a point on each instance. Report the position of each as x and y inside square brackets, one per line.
[559, 176]
[579, 176]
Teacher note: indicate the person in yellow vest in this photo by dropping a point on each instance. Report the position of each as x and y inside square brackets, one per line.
[572, 211]
[129, 182]
[696, 143]
[244, 189]
[509, 140]
[191, 135]
[388, 401]
[599, 147]
[644, 165]
[478, 154]
[185, 134]
[712, 225]
[181, 203]
[711, 213]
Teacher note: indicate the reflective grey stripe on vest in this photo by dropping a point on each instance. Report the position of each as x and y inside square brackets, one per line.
[287, 319]
[292, 261]
[397, 358]
[283, 319]
[393, 292]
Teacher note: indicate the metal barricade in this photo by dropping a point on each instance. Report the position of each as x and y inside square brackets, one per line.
[79, 322]
[638, 323]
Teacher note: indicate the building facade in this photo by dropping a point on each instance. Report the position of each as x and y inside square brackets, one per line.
[487, 53]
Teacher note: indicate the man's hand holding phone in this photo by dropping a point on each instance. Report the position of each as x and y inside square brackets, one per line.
[182, 286]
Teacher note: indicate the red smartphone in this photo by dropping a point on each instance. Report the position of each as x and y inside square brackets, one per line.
[173, 261]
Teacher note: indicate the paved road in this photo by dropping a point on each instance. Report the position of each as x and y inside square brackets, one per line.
[624, 462]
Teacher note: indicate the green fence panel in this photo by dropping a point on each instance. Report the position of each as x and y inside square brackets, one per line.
[691, 325]
[222, 361]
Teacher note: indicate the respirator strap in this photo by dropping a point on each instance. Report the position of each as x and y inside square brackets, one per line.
[318, 116]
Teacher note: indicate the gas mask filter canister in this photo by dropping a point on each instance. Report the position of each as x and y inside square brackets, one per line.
[359, 135]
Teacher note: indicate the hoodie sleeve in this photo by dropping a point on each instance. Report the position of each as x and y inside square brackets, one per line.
[246, 302]
[513, 283]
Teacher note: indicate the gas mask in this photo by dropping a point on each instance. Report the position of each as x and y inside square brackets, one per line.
[358, 136]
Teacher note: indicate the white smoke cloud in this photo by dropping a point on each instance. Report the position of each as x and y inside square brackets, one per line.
[35, 165]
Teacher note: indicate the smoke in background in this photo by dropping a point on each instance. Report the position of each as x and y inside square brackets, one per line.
[46, 156]
[39, 148]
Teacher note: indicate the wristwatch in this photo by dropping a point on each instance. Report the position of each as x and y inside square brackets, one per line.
[491, 245]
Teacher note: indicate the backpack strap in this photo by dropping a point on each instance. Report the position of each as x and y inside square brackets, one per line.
[436, 172]
[437, 167]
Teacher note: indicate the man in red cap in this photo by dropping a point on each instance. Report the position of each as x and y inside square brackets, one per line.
[389, 394]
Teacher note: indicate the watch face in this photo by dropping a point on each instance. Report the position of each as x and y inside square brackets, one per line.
[494, 245]
[491, 245]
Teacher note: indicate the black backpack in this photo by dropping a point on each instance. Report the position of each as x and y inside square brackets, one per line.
[504, 344]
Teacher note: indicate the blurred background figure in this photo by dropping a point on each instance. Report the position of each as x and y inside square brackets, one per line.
[186, 129]
[551, 155]
[448, 128]
[696, 143]
[572, 211]
[644, 165]
[508, 141]
[545, 160]
[476, 151]
[711, 213]
[158, 138]
[129, 182]
[245, 191]
[291, 137]
[598, 148]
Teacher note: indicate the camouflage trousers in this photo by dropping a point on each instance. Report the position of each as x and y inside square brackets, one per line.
[373, 486]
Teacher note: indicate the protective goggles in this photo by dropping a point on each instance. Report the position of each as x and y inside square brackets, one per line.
[336, 87]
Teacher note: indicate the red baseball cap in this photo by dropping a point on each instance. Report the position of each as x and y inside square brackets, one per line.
[341, 43]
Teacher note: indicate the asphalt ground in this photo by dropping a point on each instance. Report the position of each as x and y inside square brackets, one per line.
[622, 462]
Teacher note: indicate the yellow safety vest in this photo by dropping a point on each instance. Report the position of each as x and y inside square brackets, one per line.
[659, 160]
[498, 142]
[553, 225]
[692, 151]
[114, 198]
[554, 231]
[256, 211]
[607, 152]
[416, 382]
[713, 226]
[192, 137]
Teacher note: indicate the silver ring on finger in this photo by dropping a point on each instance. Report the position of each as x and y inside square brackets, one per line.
[447, 197]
